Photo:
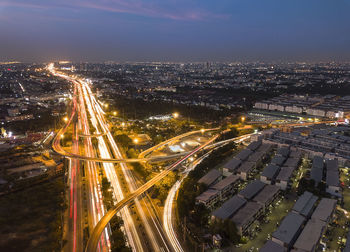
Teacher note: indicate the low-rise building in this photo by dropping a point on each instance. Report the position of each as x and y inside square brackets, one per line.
[317, 169]
[208, 198]
[267, 195]
[305, 204]
[231, 166]
[226, 186]
[229, 208]
[310, 236]
[245, 170]
[211, 177]
[324, 210]
[253, 146]
[332, 178]
[287, 233]
[271, 246]
[244, 154]
[269, 173]
[251, 189]
[246, 216]
[278, 160]
[283, 180]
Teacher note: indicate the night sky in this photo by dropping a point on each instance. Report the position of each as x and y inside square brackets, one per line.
[176, 30]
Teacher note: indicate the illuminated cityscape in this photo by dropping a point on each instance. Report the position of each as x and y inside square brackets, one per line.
[174, 126]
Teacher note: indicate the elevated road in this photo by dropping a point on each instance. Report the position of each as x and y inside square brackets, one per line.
[96, 233]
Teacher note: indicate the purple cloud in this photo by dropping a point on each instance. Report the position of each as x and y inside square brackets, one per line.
[140, 8]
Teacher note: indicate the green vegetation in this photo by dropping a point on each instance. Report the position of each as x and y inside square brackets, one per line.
[233, 132]
[140, 109]
[227, 229]
[309, 185]
[190, 189]
[197, 215]
[30, 220]
[138, 167]
[118, 241]
[161, 189]
[124, 140]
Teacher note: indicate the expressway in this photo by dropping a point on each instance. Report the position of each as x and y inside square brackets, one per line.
[106, 150]
[96, 233]
[168, 219]
[103, 155]
[96, 114]
[96, 206]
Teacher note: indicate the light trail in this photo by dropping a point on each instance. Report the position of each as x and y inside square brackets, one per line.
[111, 175]
[168, 206]
[129, 177]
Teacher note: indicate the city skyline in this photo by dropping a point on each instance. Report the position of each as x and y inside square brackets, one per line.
[174, 31]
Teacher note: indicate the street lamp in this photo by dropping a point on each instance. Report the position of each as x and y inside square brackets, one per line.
[65, 119]
[175, 115]
[202, 131]
[115, 113]
[136, 141]
[242, 119]
[106, 105]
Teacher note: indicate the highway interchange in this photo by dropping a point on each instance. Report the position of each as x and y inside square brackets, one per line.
[157, 235]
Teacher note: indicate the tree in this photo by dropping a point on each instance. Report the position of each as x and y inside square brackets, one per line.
[124, 140]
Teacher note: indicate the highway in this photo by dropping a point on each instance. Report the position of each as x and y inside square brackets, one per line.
[96, 115]
[96, 233]
[103, 155]
[168, 218]
[96, 207]
[149, 222]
